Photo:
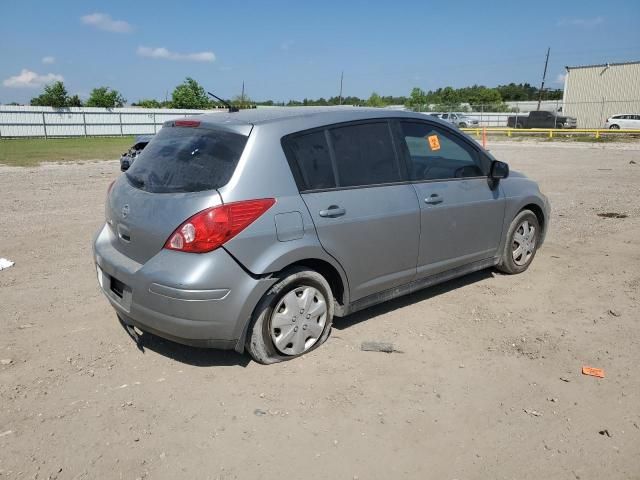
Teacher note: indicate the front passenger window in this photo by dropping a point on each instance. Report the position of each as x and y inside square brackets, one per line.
[438, 155]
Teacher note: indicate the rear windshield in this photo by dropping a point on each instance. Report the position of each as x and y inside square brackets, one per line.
[186, 159]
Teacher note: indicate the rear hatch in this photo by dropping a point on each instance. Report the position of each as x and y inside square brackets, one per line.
[176, 176]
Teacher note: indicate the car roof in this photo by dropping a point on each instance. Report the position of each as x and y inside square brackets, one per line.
[320, 115]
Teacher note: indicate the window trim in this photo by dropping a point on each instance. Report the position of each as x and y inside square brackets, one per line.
[295, 167]
[399, 145]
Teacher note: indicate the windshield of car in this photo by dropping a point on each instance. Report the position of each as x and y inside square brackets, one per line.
[186, 159]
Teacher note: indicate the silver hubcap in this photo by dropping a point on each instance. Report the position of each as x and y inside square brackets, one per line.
[524, 243]
[298, 320]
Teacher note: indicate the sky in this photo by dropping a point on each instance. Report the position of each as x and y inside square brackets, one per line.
[295, 49]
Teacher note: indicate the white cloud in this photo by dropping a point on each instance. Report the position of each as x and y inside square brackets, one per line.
[48, 60]
[581, 22]
[103, 21]
[28, 79]
[163, 53]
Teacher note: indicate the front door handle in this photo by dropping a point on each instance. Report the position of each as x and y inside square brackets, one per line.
[434, 199]
[332, 212]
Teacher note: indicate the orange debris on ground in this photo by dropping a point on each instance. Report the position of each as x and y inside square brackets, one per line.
[594, 372]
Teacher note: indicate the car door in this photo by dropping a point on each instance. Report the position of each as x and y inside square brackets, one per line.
[627, 122]
[461, 216]
[365, 212]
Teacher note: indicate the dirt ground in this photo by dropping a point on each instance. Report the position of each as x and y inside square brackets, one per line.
[487, 385]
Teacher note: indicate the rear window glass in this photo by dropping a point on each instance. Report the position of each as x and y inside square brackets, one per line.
[184, 159]
[311, 154]
[365, 155]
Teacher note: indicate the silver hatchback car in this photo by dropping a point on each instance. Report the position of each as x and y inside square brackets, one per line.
[252, 230]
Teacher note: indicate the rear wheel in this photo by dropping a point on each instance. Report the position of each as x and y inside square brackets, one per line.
[521, 244]
[462, 125]
[293, 318]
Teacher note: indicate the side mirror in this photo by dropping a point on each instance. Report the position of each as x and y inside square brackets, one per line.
[498, 170]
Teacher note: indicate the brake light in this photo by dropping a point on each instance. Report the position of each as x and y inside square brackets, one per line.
[213, 227]
[187, 123]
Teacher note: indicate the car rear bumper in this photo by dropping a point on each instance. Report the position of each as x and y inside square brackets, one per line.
[195, 299]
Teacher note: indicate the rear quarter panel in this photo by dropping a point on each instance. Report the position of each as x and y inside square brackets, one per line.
[263, 172]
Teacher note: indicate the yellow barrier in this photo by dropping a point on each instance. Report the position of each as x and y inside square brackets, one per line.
[508, 131]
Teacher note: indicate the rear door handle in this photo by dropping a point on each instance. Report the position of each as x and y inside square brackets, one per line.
[332, 212]
[434, 199]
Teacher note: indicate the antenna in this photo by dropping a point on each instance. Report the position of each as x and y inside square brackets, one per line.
[544, 75]
[231, 108]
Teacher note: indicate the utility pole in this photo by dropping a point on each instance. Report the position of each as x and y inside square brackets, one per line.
[340, 96]
[242, 94]
[544, 76]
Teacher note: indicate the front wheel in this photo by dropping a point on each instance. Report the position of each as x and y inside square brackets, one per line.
[614, 127]
[293, 318]
[521, 244]
[462, 125]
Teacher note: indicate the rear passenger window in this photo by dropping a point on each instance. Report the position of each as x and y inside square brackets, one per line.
[438, 155]
[364, 155]
[311, 154]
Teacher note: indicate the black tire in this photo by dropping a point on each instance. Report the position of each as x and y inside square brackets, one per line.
[507, 262]
[614, 127]
[462, 125]
[260, 344]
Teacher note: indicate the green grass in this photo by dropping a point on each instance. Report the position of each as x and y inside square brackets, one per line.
[29, 152]
[566, 138]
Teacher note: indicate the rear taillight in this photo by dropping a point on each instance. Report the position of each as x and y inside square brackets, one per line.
[211, 228]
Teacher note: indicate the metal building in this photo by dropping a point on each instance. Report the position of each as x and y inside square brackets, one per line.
[592, 93]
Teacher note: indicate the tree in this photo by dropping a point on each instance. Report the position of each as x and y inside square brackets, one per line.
[190, 94]
[417, 99]
[375, 100]
[241, 101]
[74, 101]
[105, 97]
[148, 103]
[54, 95]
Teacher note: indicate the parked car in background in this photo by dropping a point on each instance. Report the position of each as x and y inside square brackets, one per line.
[624, 121]
[130, 155]
[542, 119]
[252, 230]
[459, 120]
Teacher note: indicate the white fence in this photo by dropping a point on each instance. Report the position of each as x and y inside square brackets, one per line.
[27, 121]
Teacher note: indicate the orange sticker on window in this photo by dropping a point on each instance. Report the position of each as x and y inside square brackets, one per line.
[434, 142]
